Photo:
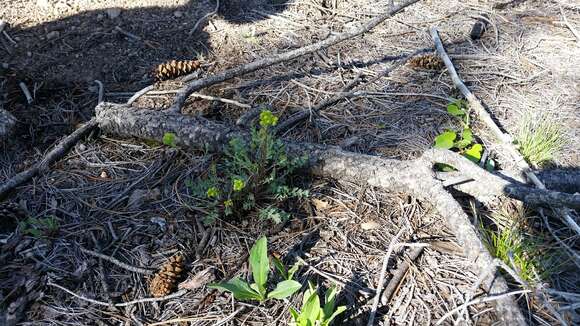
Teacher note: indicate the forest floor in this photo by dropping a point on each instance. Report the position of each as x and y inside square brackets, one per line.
[129, 200]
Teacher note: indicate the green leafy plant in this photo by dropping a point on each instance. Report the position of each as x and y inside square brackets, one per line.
[463, 141]
[540, 138]
[39, 227]
[253, 175]
[312, 313]
[169, 139]
[260, 267]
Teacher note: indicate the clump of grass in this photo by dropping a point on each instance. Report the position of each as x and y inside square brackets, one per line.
[540, 138]
[515, 244]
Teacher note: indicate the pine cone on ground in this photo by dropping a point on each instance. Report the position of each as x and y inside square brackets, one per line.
[165, 281]
[428, 61]
[174, 69]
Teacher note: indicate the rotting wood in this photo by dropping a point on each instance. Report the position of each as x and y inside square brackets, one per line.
[282, 57]
[415, 177]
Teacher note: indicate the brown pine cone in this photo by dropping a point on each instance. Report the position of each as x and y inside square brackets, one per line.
[428, 61]
[174, 69]
[165, 281]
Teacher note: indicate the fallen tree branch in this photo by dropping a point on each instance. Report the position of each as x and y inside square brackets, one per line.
[415, 176]
[505, 139]
[56, 153]
[282, 57]
[398, 275]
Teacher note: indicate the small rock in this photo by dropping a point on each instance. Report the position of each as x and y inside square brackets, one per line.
[178, 14]
[113, 12]
[52, 35]
[104, 175]
[100, 17]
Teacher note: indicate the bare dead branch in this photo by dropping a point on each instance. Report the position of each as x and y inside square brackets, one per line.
[282, 57]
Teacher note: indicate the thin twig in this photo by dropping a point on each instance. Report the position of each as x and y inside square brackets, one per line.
[398, 275]
[55, 154]
[26, 92]
[117, 262]
[283, 57]
[139, 94]
[479, 300]
[382, 276]
[124, 304]
[101, 91]
[215, 10]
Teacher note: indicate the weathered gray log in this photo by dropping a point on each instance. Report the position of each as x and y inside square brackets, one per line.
[415, 176]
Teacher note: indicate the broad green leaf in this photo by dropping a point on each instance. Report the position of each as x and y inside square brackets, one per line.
[280, 268]
[311, 289]
[311, 308]
[240, 289]
[285, 289]
[474, 153]
[445, 140]
[259, 263]
[293, 270]
[169, 139]
[295, 315]
[338, 311]
[466, 139]
[455, 110]
[329, 301]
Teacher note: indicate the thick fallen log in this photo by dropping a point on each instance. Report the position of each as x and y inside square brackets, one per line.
[414, 176]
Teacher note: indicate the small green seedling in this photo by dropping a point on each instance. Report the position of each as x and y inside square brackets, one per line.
[312, 313]
[38, 227]
[170, 139]
[463, 142]
[260, 267]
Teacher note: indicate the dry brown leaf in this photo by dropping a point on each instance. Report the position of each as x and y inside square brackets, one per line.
[319, 204]
[200, 279]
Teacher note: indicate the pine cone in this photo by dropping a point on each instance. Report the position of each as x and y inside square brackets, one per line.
[174, 69]
[165, 281]
[428, 61]
[10, 214]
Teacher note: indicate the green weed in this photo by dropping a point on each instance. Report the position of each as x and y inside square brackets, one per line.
[461, 141]
[539, 138]
[39, 227]
[260, 267]
[312, 313]
[254, 175]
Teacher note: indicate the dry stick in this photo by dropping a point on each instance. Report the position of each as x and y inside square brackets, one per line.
[398, 275]
[382, 276]
[217, 7]
[505, 139]
[101, 91]
[260, 64]
[56, 153]
[124, 304]
[117, 262]
[26, 92]
[139, 94]
[479, 300]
